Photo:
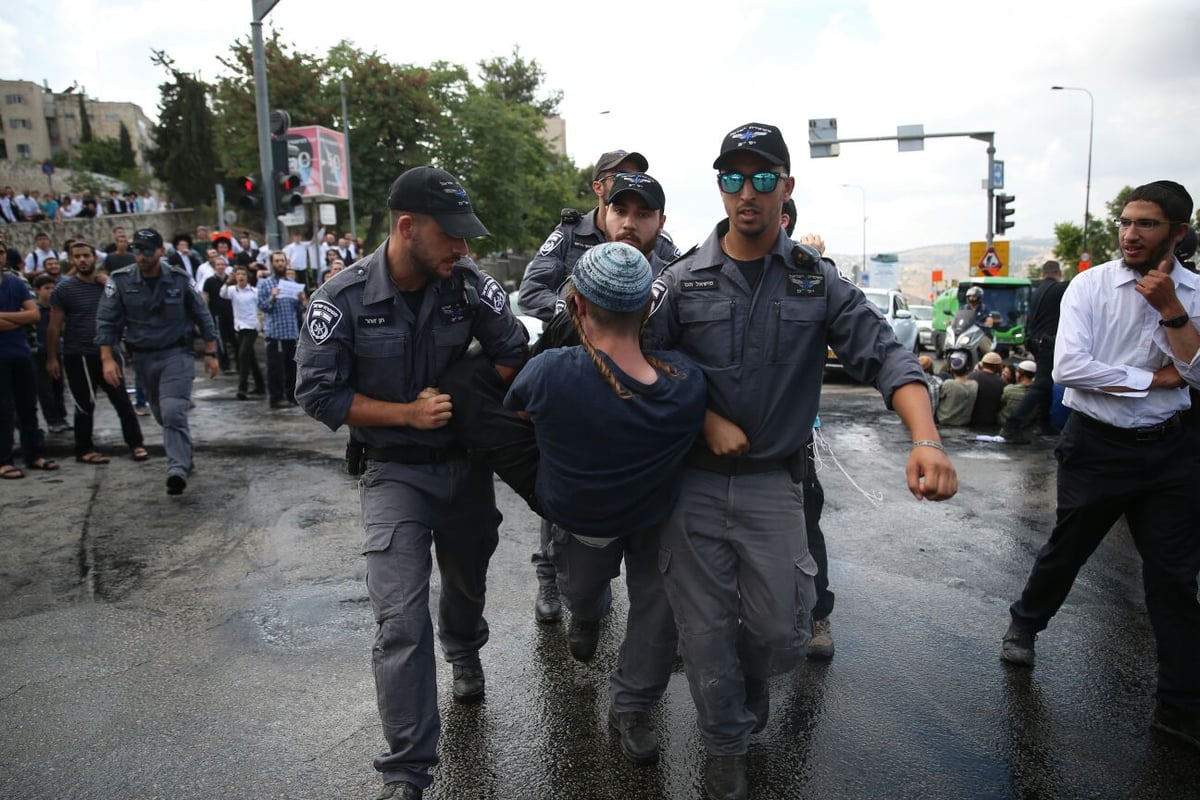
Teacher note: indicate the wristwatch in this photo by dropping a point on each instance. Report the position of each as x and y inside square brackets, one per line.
[1175, 322]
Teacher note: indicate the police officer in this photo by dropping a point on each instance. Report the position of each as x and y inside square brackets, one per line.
[757, 312]
[154, 305]
[539, 296]
[375, 341]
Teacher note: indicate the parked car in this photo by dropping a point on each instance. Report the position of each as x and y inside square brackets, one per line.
[895, 309]
[924, 317]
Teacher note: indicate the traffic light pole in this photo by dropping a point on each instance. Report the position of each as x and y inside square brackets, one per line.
[260, 10]
[983, 136]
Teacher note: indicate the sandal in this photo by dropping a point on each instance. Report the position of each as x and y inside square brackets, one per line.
[140, 454]
[10, 473]
[92, 458]
[44, 464]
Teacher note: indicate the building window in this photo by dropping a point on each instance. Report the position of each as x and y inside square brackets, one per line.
[14, 99]
[69, 115]
[23, 151]
[110, 117]
[19, 123]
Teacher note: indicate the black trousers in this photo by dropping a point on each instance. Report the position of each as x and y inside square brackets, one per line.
[281, 369]
[246, 360]
[1040, 396]
[84, 376]
[814, 502]
[1153, 484]
[51, 391]
[18, 400]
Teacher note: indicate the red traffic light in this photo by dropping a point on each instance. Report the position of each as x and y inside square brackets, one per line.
[249, 185]
[289, 181]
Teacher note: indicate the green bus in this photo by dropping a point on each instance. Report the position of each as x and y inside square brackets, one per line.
[1009, 296]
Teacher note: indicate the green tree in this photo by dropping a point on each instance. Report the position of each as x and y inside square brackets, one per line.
[1102, 235]
[184, 157]
[125, 155]
[517, 81]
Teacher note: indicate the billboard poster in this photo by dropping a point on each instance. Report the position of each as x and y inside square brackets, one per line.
[320, 161]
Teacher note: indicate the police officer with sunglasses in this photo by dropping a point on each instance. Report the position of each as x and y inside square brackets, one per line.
[756, 312]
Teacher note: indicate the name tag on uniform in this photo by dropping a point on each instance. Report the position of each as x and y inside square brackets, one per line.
[698, 285]
[378, 321]
[803, 284]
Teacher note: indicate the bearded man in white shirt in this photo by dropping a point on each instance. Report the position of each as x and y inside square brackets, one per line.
[1126, 350]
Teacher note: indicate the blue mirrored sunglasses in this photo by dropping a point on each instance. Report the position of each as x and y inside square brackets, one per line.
[763, 182]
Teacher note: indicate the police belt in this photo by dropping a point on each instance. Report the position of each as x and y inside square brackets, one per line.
[701, 457]
[415, 454]
[1152, 433]
[141, 348]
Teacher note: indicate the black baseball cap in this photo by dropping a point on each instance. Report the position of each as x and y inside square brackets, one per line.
[614, 158]
[758, 138]
[438, 194]
[641, 184]
[147, 238]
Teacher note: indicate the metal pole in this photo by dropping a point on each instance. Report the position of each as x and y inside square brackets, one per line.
[261, 104]
[864, 225]
[349, 181]
[1087, 195]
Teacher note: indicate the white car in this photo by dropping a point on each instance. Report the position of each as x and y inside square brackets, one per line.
[924, 315]
[903, 322]
[533, 325]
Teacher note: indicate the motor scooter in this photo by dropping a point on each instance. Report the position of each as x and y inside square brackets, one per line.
[967, 337]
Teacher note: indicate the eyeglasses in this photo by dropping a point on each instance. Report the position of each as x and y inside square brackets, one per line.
[1141, 224]
[763, 182]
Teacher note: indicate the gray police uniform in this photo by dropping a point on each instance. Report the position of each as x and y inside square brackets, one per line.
[555, 261]
[158, 323]
[419, 487]
[737, 567]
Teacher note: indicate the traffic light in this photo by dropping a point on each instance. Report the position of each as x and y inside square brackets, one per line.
[249, 199]
[287, 179]
[1003, 212]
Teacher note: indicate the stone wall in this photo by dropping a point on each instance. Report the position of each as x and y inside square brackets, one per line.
[98, 230]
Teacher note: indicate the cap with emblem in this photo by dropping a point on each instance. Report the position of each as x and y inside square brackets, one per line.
[147, 238]
[614, 276]
[755, 137]
[614, 158]
[438, 194]
[640, 184]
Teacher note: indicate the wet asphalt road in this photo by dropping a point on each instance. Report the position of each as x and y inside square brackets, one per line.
[216, 645]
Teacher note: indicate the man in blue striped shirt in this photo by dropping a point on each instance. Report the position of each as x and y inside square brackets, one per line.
[281, 328]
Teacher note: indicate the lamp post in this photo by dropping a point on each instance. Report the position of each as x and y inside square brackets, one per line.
[1087, 197]
[864, 225]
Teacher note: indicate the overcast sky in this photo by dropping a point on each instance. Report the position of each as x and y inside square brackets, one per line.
[675, 76]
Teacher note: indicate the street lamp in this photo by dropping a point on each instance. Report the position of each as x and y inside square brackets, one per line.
[864, 206]
[1087, 197]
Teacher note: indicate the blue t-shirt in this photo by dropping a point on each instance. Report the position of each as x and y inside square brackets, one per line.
[13, 294]
[609, 467]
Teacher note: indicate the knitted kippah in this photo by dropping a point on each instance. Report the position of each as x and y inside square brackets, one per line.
[614, 276]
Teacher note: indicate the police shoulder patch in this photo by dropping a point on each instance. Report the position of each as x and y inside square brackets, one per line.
[493, 294]
[110, 287]
[323, 319]
[551, 242]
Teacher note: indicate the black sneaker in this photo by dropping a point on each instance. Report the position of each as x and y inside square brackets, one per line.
[725, 777]
[1017, 646]
[400, 790]
[547, 606]
[639, 742]
[176, 484]
[583, 636]
[468, 681]
[1180, 724]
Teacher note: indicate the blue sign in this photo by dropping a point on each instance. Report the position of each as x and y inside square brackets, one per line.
[47, 168]
[997, 174]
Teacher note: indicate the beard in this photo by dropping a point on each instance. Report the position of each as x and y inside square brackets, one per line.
[1150, 258]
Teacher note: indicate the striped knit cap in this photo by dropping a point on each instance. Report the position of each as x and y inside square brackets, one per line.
[614, 276]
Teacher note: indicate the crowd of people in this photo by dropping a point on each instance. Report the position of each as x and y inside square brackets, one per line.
[58, 363]
[30, 205]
